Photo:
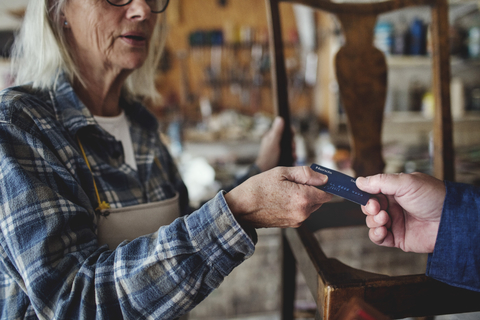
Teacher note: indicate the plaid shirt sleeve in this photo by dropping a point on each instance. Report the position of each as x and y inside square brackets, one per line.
[51, 266]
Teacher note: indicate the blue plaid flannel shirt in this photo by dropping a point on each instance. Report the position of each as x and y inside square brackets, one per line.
[51, 266]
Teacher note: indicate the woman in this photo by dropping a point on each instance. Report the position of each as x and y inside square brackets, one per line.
[72, 192]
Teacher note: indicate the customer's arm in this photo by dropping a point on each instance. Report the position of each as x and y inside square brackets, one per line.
[416, 212]
[456, 258]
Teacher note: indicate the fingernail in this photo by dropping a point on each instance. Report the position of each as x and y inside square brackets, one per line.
[362, 181]
[324, 178]
[277, 121]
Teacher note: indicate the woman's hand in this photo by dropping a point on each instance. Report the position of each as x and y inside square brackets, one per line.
[282, 197]
[406, 213]
[269, 153]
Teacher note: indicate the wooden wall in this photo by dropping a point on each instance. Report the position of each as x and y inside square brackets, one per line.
[186, 16]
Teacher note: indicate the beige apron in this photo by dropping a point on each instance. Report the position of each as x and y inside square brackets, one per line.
[128, 223]
[117, 225]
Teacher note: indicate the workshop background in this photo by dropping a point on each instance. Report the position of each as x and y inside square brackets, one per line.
[216, 87]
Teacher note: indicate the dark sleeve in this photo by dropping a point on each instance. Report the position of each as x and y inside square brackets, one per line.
[456, 257]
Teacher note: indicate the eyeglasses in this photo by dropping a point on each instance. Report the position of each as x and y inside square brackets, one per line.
[156, 6]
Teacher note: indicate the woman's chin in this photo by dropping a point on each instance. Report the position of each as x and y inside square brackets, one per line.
[133, 64]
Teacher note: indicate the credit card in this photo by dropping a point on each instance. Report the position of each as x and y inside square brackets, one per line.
[342, 185]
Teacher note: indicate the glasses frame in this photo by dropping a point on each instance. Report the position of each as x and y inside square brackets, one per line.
[130, 1]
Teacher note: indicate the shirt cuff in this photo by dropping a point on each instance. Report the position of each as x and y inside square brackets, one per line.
[219, 236]
[250, 231]
[457, 248]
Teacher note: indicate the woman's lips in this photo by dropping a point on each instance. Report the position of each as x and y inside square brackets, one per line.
[134, 39]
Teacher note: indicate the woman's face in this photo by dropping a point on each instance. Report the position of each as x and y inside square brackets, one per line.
[109, 37]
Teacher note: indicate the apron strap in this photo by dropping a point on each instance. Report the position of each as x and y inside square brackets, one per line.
[102, 205]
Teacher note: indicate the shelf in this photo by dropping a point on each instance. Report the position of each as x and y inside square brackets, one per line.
[243, 83]
[397, 61]
[418, 117]
[239, 45]
[453, 2]
[408, 61]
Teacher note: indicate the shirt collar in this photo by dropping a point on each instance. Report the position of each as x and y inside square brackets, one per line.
[75, 115]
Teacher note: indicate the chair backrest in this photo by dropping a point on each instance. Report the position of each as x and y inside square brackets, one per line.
[361, 71]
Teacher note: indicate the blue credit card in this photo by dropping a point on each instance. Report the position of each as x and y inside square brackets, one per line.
[342, 185]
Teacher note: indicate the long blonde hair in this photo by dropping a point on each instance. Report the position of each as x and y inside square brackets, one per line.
[41, 52]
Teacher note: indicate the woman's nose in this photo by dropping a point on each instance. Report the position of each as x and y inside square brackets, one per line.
[139, 9]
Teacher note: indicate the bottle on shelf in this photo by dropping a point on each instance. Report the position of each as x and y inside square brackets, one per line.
[418, 37]
[383, 36]
[401, 38]
[474, 42]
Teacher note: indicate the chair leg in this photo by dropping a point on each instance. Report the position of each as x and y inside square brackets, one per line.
[288, 280]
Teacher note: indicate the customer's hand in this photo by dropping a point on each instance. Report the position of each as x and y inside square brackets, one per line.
[406, 213]
[282, 197]
[269, 153]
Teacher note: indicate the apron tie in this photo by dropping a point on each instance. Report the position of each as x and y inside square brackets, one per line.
[102, 205]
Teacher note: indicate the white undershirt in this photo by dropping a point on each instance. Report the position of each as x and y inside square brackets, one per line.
[118, 127]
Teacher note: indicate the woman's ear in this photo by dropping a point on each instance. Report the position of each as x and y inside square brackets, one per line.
[64, 21]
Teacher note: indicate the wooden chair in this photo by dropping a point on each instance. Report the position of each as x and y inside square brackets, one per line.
[361, 71]
[357, 309]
